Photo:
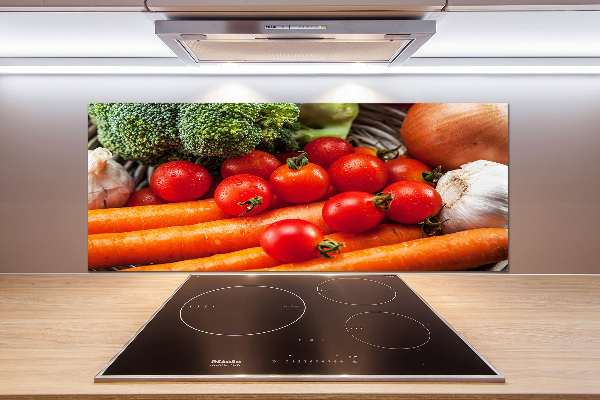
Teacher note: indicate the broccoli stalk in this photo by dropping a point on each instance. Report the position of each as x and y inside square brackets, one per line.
[325, 119]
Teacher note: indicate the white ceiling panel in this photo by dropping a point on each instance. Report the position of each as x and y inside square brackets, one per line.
[79, 34]
[459, 34]
[515, 34]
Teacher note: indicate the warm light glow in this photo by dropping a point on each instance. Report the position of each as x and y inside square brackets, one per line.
[351, 92]
[232, 92]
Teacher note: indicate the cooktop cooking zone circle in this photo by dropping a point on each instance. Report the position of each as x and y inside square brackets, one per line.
[242, 310]
[356, 291]
[388, 330]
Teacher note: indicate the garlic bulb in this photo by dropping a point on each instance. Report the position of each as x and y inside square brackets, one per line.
[474, 196]
[109, 184]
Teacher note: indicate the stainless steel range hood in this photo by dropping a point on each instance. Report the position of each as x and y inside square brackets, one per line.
[388, 42]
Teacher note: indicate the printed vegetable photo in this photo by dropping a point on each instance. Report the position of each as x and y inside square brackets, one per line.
[297, 187]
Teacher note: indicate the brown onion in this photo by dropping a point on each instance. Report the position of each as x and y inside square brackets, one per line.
[453, 134]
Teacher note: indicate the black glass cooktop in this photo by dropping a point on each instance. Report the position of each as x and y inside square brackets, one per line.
[309, 327]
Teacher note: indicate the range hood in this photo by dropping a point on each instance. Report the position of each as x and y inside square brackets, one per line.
[388, 42]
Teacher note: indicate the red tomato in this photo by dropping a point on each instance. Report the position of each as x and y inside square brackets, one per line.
[325, 150]
[365, 150]
[243, 194]
[355, 211]
[144, 197]
[291, 240]
[283, 157]
[257, 162]
[211, 190]
[406, 169]
[358, 172]
[413, 202]
[307, 183]
[180, 181]
[328, 194]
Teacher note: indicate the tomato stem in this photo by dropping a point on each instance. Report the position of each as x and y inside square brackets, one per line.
[383, 200]
[434, 175]
[251, 203]
[328, 246]
[297, 162]
[388, 154]
[432, 226]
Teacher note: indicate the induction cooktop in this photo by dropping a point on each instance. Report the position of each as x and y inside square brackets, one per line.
[291, 327]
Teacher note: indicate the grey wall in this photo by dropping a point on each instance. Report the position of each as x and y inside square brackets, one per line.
[554, 145]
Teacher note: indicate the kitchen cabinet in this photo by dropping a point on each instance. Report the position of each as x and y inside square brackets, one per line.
[540, 331]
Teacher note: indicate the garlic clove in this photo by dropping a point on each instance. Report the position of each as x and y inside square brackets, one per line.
[97, 159]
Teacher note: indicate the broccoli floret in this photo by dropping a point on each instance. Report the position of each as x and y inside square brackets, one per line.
[278, 122]
[284, 143]
[325, 119]
[145, 132]
[98, 113]
[204, 133]
[219, 129]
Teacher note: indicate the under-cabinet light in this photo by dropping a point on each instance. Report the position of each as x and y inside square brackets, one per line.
[416, 66]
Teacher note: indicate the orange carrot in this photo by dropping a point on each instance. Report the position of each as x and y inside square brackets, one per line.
[454, 251]
[178, 243]
[240, 260]
[127, 219]
[255, 257]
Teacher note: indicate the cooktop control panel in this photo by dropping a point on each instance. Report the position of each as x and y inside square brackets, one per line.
[314, 327]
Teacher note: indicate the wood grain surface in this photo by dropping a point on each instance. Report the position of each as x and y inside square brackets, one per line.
[542, 332]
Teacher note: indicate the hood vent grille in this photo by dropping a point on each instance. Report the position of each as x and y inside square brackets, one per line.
[295, 50]
[379, 41]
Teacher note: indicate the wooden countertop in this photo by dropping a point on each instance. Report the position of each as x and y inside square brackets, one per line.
[542, 332]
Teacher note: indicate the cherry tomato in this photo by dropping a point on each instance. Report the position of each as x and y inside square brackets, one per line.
[303, 183]
[381, 153]
[365, 150]
[283, 157]
[257, 162]
[180, 181]
[291, 240]
[211, 190]
[413, 202]
[406, 169]
[328, 194]
[144, 197]
[243, 194]
[325, 150]
[355, 211]
[358, 172]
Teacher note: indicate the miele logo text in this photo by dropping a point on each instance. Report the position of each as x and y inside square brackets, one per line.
[225, 363]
